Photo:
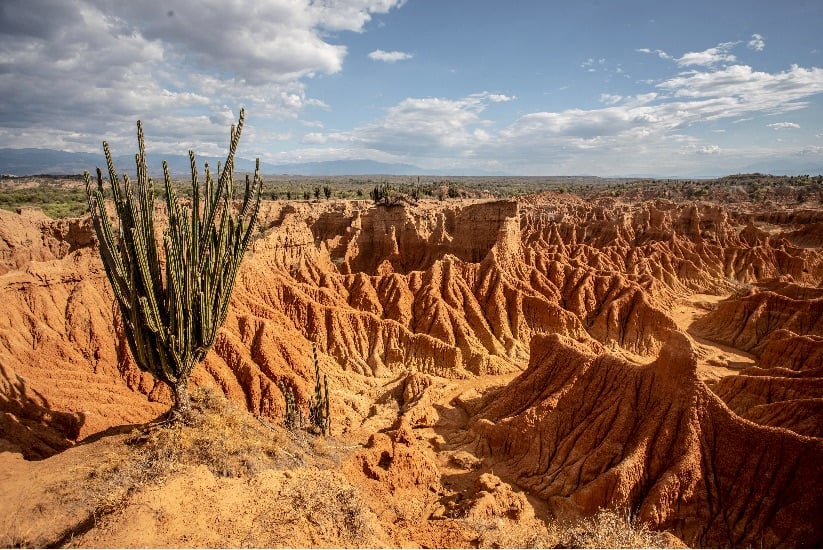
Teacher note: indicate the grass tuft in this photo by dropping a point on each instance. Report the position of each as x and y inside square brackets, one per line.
[606, 529]
[611, 529]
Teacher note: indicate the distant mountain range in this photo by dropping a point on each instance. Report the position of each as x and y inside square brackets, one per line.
[27, 162]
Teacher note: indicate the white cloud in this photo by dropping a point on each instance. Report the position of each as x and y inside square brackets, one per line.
[783, 125]
[117, 61]
[738, 89]
[709, 57]
[389, 57]
[756, 43]
[660, 53]
[315, 138]
[643, 132]
[811, 150]
[591, 63]
[708, 150]
[433, 130]
[348, 15]
[494, 98]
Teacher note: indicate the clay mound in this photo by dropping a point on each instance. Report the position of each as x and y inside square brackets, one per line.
[744, 322]
[31, 236]
[593, 430]
[781, 402]
[802, 416]
[399, 239]
[785, 286]
[809, 236]
[782, 327]
[28, 425]
[63, 363]
[785, 389]
[685, 246]
[785, 353]
[743, 392]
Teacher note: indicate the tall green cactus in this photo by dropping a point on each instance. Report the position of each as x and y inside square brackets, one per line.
[171, 313]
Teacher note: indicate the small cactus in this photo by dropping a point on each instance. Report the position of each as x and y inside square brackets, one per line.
[319, 413]
[293, 419]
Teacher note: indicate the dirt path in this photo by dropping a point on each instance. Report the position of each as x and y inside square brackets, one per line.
[714, 360]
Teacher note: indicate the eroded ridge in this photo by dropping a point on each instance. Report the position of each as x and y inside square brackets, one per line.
[781, 324]
[585, 430]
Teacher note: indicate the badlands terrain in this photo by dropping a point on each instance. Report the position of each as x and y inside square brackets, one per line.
[502, 373]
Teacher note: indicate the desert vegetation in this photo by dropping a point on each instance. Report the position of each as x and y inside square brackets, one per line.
[171, 321]
[63, 196]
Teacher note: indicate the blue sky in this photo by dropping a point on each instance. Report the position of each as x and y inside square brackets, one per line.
[524, 88]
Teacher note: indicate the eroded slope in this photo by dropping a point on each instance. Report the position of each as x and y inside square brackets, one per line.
[610, 409]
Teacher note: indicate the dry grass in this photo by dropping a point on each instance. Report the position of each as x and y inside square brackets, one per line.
[14, 533]
[226, 439]
[504, 533]
[311, 502]
[611, 529]
[606, 529]
[324, 506]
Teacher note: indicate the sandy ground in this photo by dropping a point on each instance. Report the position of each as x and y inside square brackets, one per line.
[714, 361]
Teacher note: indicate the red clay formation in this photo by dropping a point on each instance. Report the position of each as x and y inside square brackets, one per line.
[660, 357]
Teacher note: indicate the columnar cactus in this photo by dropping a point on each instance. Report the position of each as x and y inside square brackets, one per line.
[293, 417]
[171, 310]
[319, 413]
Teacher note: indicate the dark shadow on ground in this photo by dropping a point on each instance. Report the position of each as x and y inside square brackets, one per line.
[28, 425]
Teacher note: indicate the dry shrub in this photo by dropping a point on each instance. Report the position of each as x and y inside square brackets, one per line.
[15, 534]
[606, 529]
[611, 529]
[504, 533]
[323, 507]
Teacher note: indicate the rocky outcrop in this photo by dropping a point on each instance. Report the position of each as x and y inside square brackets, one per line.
[782, 324]
[745, 322]
[585, 430]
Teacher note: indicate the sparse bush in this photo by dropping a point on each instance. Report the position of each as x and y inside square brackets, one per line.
[391, 195]
[221, 436]
[53, 198]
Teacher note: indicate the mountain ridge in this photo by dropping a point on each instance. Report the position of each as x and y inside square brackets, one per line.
[32, 161]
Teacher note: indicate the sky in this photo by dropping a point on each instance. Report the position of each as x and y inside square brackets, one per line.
[525, 87]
